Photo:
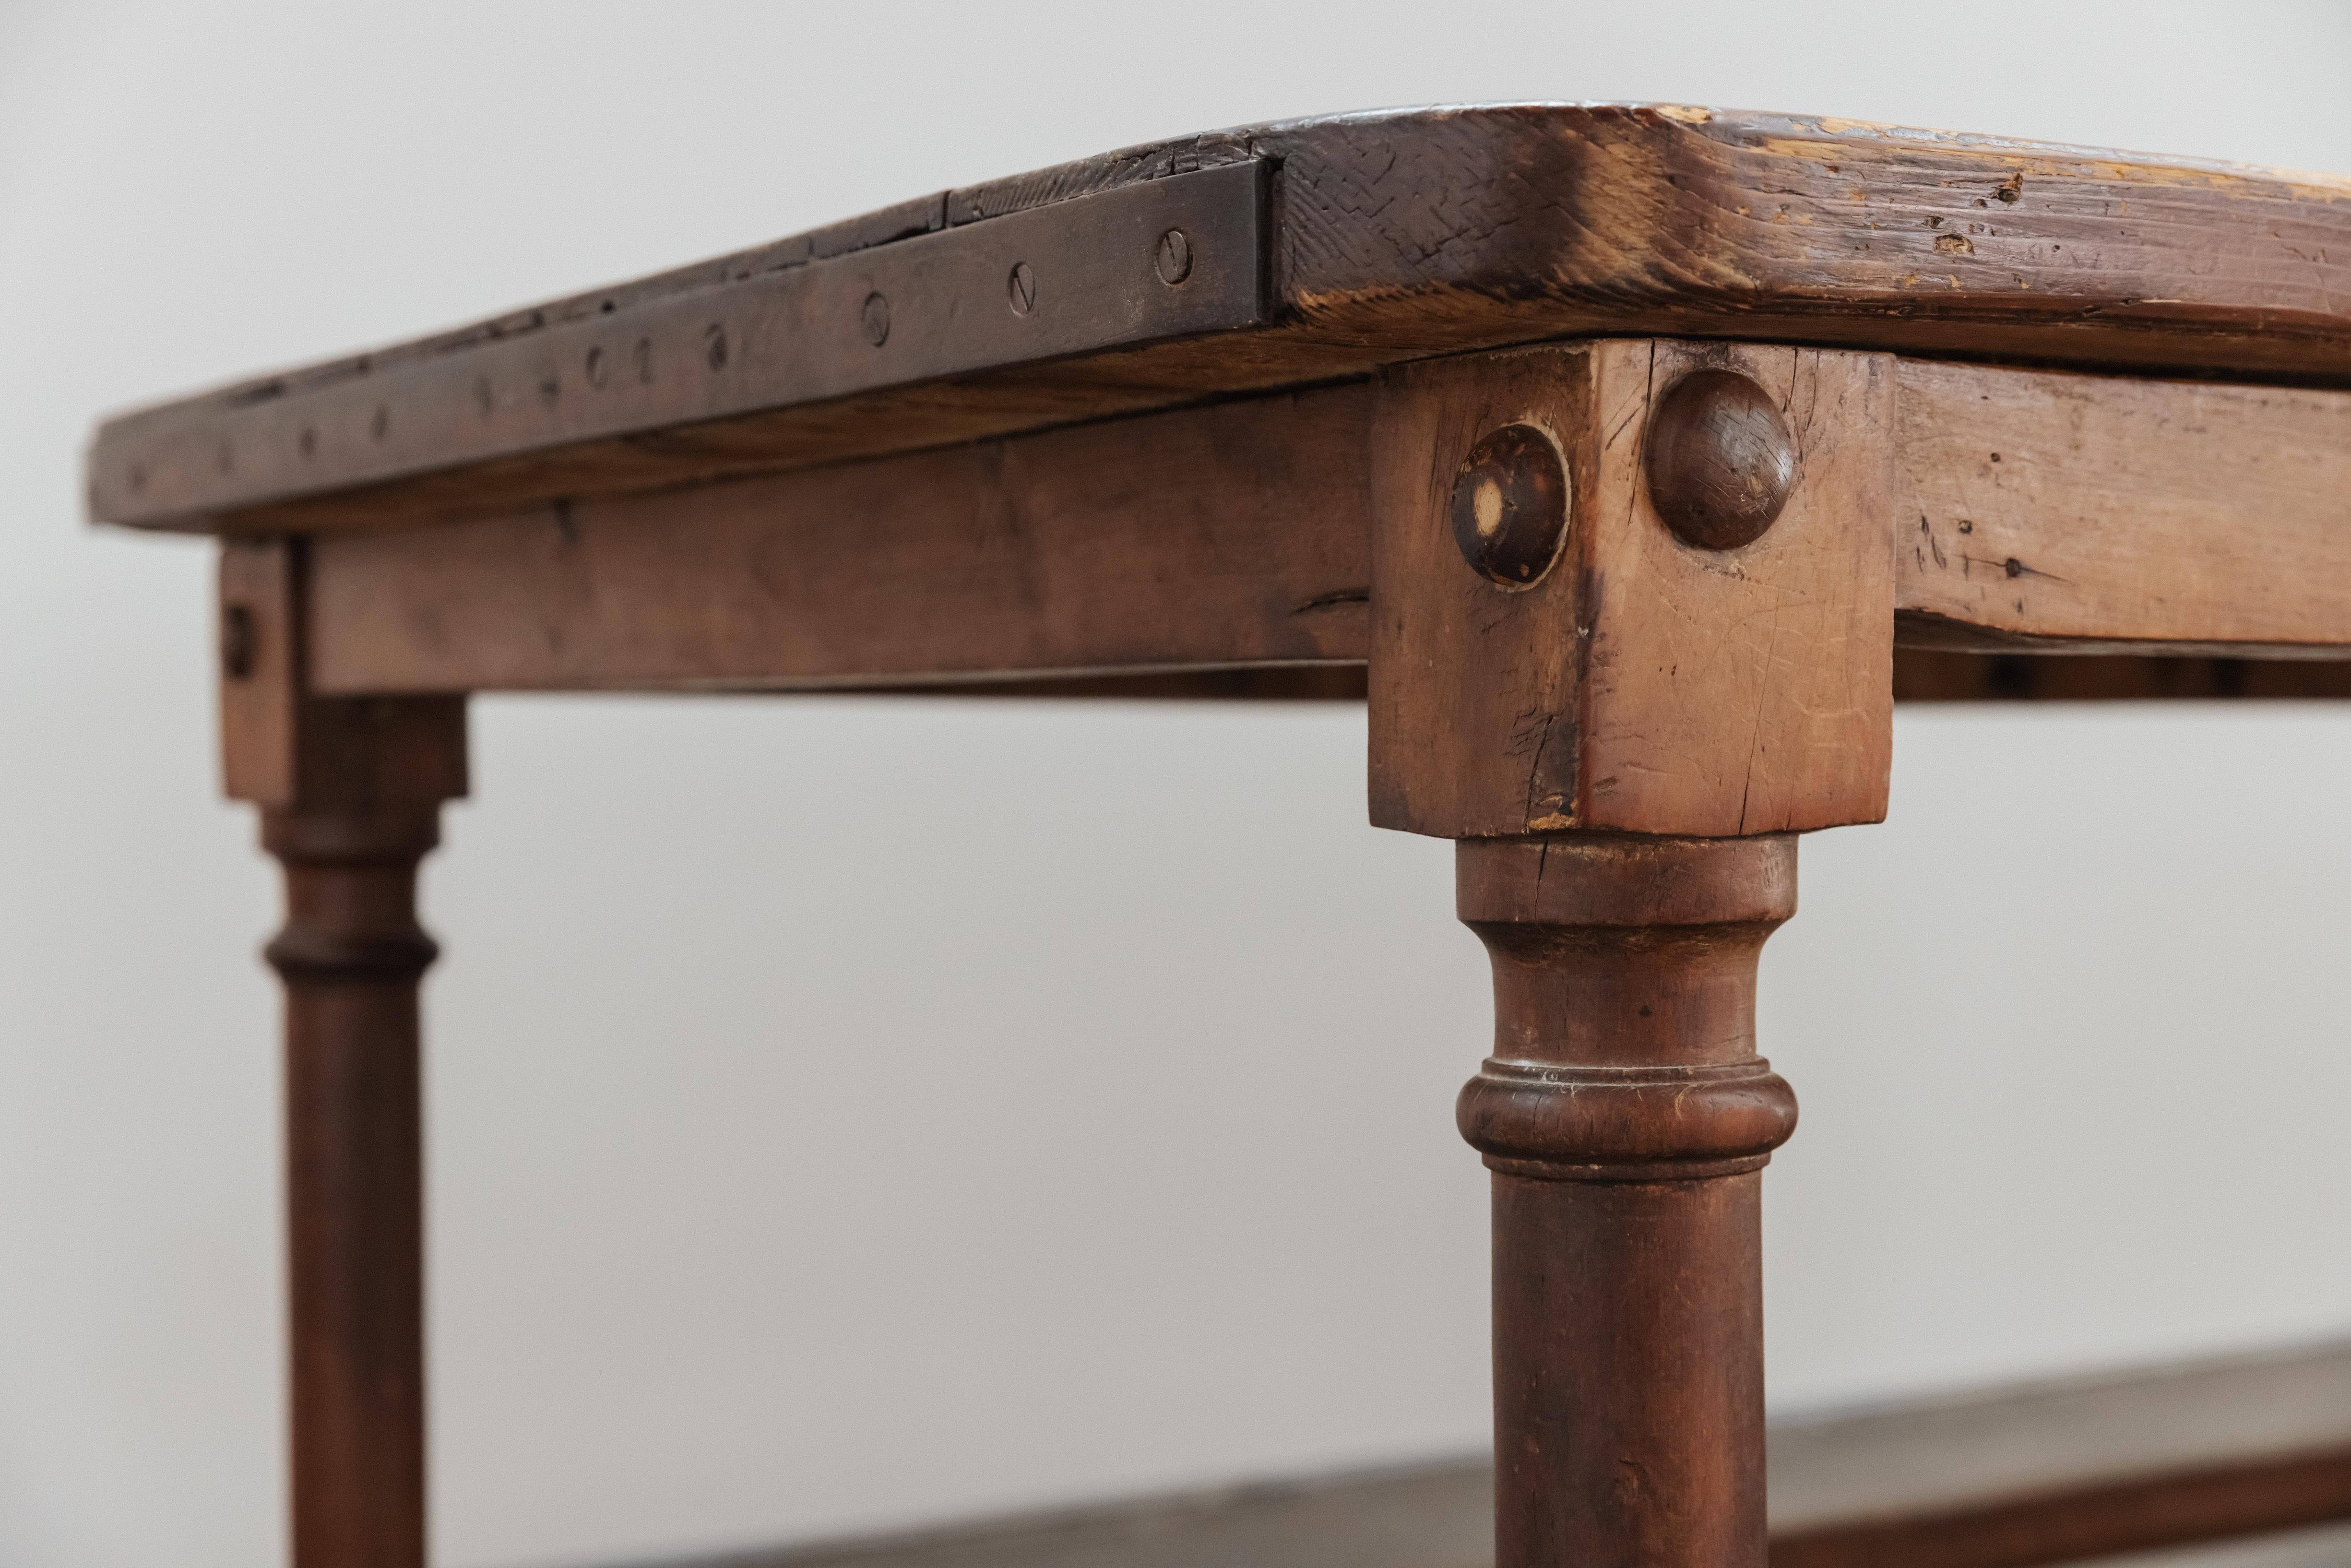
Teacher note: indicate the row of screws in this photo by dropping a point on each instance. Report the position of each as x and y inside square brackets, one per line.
[1172, 260]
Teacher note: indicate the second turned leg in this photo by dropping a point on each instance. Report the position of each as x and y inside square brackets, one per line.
[1627, 1117]
[352, 954]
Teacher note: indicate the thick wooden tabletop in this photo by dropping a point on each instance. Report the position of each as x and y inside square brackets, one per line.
[1275, 256]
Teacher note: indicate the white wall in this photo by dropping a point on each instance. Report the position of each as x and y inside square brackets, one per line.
[847, 1113]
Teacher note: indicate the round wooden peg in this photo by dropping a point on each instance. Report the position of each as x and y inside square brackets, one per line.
[1721, 461]
[1511, 505]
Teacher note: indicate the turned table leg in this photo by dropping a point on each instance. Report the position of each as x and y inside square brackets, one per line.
[350, 954]
[351, 790]
[1627, 1117]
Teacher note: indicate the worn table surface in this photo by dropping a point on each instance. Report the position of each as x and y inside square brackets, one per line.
[1313, 249]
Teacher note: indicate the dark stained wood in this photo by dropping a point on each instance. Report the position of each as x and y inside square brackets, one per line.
[351, 790]
[350, 954]
[1718, 459]
[1644, 684]
[1230, 535]
[1582, 428]
[1627, 1117]
[1391, 235]
[1082, 278]
[1930, 675]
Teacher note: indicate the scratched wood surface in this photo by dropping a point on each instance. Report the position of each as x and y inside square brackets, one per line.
[2148, 515]
[2043, 507]
[1642, 684]
[1386, 237]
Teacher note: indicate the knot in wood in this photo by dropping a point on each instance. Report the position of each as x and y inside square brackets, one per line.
[1720, 459]
[1562, 1123]
[1511, 505]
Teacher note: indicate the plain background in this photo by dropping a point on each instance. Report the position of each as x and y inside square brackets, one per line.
[848, 1113]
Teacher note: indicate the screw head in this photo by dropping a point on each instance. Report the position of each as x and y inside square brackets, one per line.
[1021, 287]
[1174, 259]
[1721, 462]
[876, 317]
[1511, 505]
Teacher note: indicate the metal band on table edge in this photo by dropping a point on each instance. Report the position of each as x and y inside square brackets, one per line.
[1176, 257]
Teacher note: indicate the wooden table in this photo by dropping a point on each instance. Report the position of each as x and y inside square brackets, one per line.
[1632, 461]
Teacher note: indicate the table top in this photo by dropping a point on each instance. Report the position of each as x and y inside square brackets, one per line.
[1276, 256]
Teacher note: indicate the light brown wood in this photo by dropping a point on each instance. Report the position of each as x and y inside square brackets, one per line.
[1389, 237]
[258, 625]
[1230, 535]
[2040, 506]
[1646, 684]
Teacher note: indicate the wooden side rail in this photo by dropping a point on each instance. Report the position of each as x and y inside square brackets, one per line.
[2033, 511]
[2035, 1475]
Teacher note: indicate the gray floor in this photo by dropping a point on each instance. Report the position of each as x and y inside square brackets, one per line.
[1436, 1516]
[2329, 1546]
[1925, 1455]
